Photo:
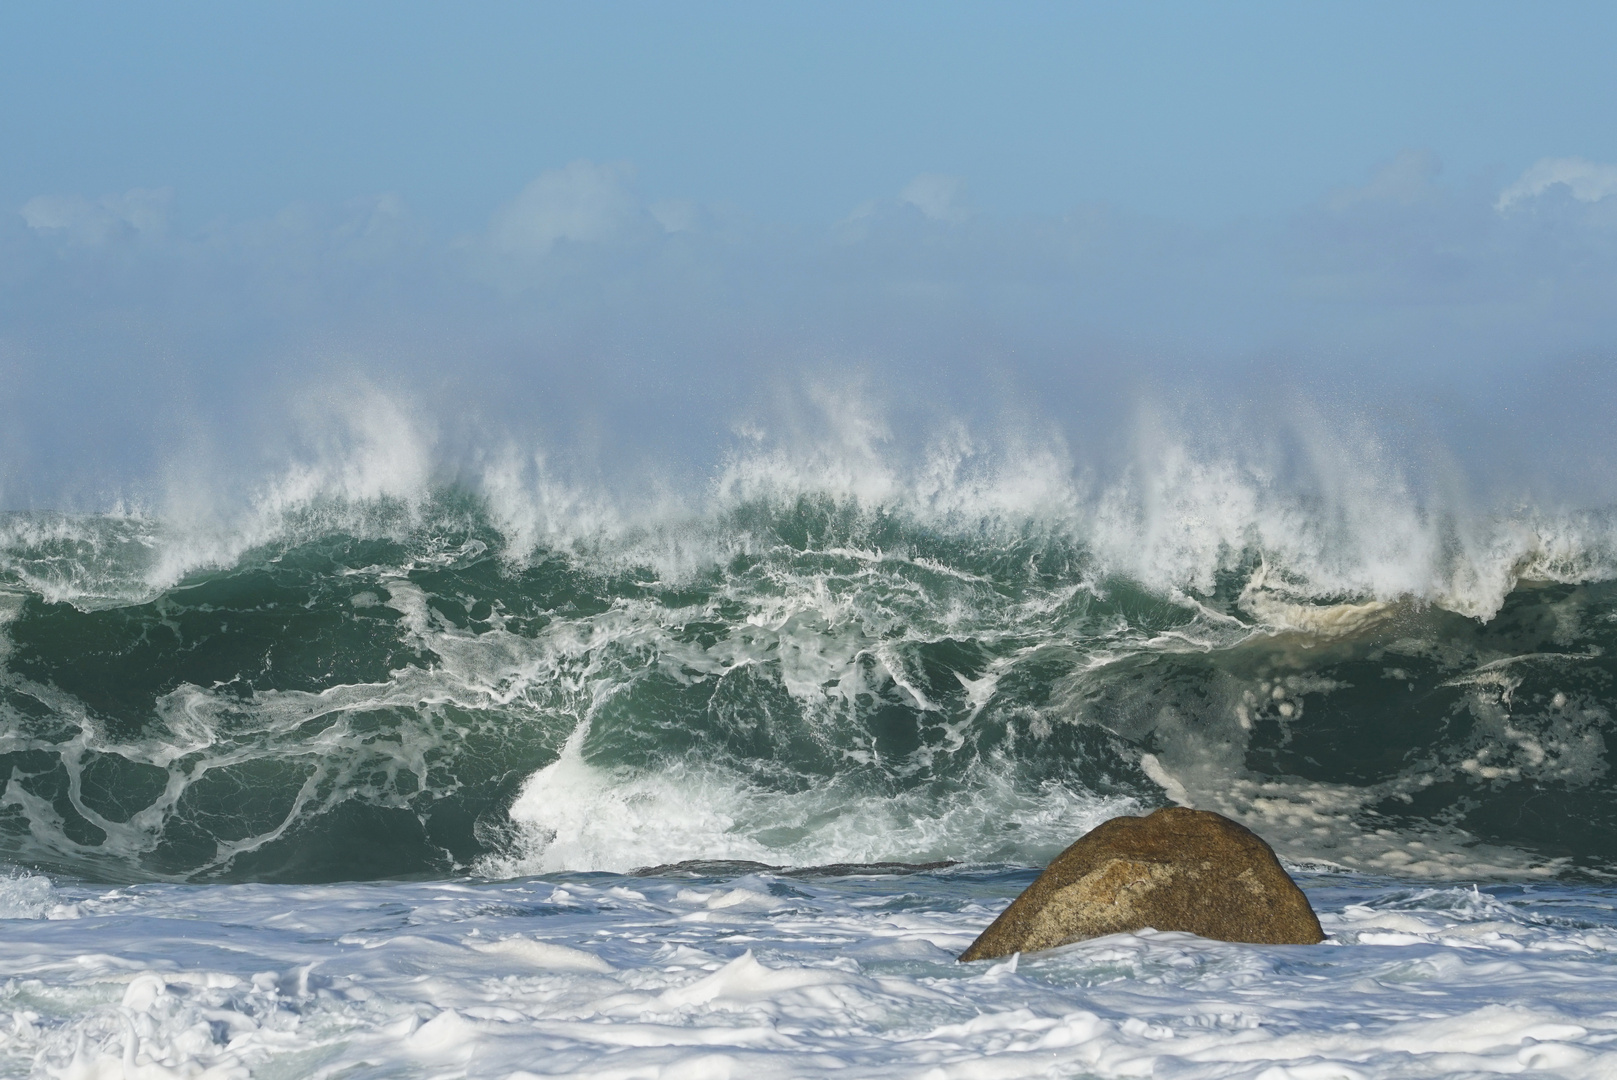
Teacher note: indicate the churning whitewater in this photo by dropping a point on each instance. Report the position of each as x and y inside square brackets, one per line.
[487, 704]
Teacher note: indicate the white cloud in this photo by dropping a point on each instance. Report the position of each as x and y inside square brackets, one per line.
[936, 196]
[1588, 181]
[141, 210]
[583, 203]
[675, 215]
[1404, 180]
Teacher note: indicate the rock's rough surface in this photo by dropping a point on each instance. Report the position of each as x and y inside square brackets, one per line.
[1177, 869]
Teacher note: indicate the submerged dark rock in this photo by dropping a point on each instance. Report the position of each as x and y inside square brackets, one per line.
[1176, 869]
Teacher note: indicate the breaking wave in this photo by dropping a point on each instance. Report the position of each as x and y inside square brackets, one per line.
[373, 671]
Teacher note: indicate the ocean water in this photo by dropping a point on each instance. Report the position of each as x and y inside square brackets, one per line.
[381, 777]
[730, 972]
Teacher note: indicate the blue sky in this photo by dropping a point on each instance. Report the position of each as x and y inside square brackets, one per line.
[618, 224]
[1203, 112]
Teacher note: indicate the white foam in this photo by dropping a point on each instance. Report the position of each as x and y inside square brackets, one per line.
[571, 815]
[605, 977]
[30, 896]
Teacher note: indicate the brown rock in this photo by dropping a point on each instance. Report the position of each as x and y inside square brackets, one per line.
[1177, 869]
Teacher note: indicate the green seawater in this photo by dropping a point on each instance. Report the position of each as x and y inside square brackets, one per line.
[370, 693]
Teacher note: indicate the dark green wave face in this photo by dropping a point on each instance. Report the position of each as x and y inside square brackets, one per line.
[398, 692]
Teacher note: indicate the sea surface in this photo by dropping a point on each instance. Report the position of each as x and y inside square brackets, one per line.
[497, 779]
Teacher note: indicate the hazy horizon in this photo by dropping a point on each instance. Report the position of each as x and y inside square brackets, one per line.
[635, 240]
